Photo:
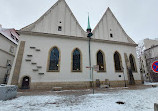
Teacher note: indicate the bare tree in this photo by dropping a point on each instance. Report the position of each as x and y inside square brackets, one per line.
[140, 51]
[140, 48]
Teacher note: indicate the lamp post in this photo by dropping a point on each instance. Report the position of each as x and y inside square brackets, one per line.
[89, 35]
[89, 47]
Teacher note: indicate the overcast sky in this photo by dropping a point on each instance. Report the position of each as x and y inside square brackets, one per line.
[139, 18]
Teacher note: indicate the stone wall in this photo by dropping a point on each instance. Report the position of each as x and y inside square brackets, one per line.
[75, 85]
[8, 92]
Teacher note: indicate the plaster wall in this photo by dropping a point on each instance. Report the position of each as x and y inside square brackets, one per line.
[58, 15]
[66, 47]
[109, 25]
[5, 55]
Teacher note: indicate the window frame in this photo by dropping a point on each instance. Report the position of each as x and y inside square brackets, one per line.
[135, 66]
[104, 61]
[72, 60]
[120, 58]
[48, 62]
[60, 28]
[111, 35]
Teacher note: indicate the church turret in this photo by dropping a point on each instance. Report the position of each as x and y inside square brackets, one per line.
[89, 28]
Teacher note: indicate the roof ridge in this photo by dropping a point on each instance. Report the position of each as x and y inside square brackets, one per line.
[48, 11]
[41, 16]
[108, 9]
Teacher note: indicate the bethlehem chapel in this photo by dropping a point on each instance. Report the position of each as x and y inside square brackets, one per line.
[54, 51]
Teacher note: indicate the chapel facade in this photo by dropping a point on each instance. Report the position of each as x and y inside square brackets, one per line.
[54, 51]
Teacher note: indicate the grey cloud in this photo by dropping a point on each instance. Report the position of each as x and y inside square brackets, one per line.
[139, 18]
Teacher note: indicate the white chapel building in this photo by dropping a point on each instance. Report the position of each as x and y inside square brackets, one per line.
[54, 51]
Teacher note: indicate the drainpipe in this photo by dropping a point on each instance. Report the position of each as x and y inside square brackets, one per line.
[90, 71]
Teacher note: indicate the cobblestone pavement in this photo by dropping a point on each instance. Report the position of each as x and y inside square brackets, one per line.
[136, 98]
[79, 92]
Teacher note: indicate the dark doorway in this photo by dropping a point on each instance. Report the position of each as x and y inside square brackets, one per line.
[26, 83]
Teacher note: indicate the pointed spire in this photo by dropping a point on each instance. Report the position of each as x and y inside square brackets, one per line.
[89, 33]
[88, 27]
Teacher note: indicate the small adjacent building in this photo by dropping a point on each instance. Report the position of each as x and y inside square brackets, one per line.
[8, 44]
[149, 55]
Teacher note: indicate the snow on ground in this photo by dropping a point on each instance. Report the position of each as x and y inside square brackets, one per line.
[135, 100]
[150, 83]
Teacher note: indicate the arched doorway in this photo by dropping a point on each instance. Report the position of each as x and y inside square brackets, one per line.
[25, 83]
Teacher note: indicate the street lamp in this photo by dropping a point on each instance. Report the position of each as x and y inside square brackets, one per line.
[89, 44]
[89, 35]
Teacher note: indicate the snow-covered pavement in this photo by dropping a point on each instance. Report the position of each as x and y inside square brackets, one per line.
[135, 100]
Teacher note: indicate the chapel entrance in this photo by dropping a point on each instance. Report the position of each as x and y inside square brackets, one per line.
[26, 83]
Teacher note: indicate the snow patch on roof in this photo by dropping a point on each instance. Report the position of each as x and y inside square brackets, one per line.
[10, 34]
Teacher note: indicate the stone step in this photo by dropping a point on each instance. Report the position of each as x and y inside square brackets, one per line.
[41, 73]
[104, 86]
[38, 50]
[33, 63]
[27, 59]
[32, 47]
[154, 86]
[35, 69]
[39, 67]
[57, 88]
[29, 55]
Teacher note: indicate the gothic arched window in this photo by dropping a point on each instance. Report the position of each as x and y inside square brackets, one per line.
[76, 60]
[100, 60]
[54, 59]
[132, 63]
[118, 62]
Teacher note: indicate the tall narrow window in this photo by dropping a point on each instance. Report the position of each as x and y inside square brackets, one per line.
[11, 49]
[59, 28]
[100, 61]
[76, 65]
[117, 60]
[111, 35]
[132, 62]
[54, 59]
